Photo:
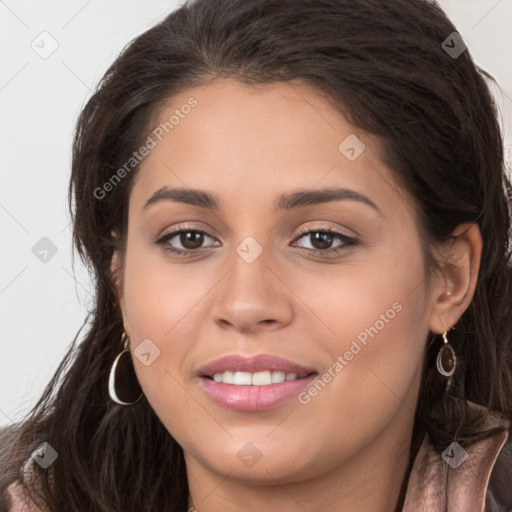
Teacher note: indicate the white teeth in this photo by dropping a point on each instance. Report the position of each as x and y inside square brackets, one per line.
[228, 378]
[255, 379]
[278, 377]
[261, 379]
[242, 378]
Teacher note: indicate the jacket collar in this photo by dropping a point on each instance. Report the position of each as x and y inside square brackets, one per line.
[455, 482]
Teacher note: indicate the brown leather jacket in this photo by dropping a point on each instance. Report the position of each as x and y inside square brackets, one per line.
[481, 483]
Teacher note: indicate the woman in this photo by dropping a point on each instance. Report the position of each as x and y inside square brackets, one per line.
[298, 221]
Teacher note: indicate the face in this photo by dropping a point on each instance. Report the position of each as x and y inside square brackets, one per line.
[286, 312]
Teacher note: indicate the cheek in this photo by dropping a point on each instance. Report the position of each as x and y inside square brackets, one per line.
[377, 314]
[160, 296]
[163, 305]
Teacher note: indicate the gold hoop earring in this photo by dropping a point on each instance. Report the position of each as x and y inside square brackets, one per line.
[123, 386]
[446, 359]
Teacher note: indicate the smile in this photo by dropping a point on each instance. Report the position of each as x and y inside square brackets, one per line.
[253, 384]
[264, 378]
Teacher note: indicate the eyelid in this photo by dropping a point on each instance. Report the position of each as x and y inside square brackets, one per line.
[349, 240]
[162, 239]
[324, 227]
[303, 230]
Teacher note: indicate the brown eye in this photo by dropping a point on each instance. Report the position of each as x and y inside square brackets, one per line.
[321, 241]
[183, 241]
[191, 239]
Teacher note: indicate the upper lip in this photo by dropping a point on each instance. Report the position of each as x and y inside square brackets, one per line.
[252, 364]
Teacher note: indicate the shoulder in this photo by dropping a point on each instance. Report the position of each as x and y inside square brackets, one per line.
[14, 496]
[18, 501]
[500, 483]
[477, 476]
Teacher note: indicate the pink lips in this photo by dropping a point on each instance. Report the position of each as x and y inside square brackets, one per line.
[248, 397]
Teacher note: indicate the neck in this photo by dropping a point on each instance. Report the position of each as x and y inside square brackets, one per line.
[373, 480]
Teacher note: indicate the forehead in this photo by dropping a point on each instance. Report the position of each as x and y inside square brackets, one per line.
[254, 141]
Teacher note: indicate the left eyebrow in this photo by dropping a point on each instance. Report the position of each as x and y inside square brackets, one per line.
[191, 196]
[298, 199]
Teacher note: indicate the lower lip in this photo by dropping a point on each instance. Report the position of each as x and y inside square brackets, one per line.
[254, 398]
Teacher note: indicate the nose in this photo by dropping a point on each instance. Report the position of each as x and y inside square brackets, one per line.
[253, 295]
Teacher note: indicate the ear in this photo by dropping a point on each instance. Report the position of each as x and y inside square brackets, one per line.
[116, 272]
[459, 261]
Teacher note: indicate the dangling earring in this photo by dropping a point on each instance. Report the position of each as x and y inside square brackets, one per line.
[123, 386]
[446, 359]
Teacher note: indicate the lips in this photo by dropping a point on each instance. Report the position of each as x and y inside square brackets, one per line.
[253, 384]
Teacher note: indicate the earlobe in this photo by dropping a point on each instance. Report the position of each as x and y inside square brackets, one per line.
[459, 262]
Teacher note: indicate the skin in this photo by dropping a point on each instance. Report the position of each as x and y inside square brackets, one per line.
[348, 448]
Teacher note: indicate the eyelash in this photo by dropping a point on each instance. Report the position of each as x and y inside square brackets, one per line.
[348, 242]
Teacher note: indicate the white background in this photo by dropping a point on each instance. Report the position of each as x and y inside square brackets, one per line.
[42, 305]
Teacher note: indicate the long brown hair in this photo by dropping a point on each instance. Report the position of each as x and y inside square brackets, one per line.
[384, 65]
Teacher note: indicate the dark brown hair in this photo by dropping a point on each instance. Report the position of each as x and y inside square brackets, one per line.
[383, 64]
